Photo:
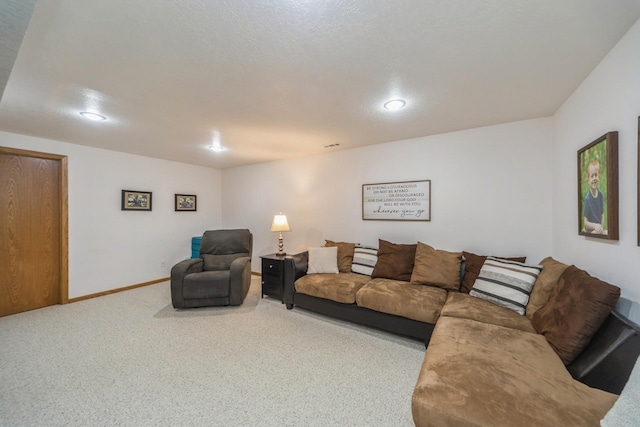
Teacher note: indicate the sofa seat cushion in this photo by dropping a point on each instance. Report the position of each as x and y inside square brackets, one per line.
[341, 287]
[207, 284]
[478, 374]
[417, 302]
[465, 306]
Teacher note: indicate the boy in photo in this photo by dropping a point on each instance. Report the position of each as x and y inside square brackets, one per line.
[594, 201]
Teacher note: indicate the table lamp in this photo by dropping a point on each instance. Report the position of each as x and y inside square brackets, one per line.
[280, 224]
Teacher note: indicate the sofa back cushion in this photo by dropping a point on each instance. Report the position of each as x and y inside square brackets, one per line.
[545, 284]
[436, 268]
[395, 261]
[576, 309]
[365, 259]
[473, 264]
[345, 254]
[506, 283]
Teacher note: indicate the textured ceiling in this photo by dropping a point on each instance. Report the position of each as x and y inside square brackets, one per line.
[278, 79]
[14, 19]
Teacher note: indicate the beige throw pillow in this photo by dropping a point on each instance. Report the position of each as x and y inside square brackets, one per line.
[436, 268]
[323, 260]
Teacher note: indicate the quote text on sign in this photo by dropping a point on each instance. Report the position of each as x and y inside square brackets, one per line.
[398, 200]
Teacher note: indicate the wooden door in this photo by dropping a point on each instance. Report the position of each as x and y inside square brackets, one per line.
[31, 231]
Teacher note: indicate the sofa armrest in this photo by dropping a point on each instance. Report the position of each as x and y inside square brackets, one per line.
[607, 361]
[295, 266]
[178, 273]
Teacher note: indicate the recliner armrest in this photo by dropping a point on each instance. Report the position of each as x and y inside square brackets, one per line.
[238, 265]
[240, 279]
[178, 273]
[187, 266]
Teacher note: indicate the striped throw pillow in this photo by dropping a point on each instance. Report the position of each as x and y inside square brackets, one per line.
[364, 260]
[506, 283]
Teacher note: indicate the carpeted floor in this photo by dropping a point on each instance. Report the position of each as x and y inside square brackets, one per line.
[130, 359]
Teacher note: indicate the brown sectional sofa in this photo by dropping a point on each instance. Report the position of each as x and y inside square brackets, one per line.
[485, 364]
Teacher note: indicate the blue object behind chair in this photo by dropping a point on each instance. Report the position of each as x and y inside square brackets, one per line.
[195, 246]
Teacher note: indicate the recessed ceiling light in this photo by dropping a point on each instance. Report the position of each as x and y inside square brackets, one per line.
[93, 116]
[216, 148]
[395, 104]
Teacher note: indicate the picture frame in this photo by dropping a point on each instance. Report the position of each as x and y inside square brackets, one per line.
[638, 184]
[397, 201]
[133, 200]
[186, 202]
[598, 188]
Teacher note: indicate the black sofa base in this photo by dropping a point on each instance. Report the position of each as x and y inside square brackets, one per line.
[364, 316]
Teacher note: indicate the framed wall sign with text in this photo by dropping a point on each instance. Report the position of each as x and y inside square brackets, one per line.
[397, 201]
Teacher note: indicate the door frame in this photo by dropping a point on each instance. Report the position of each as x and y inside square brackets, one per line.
[64, 212]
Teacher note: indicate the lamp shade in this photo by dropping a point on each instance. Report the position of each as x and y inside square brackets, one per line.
[280, 223]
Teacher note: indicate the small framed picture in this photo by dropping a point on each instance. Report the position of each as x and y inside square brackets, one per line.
[136, 200]
[598, 188]
[186, 202]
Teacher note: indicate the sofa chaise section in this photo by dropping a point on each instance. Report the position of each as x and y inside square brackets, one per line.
[480, 374]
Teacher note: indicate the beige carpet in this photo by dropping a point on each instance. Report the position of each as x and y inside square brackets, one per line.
[130, 359]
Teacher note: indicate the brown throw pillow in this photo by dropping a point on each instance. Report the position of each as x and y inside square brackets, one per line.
[545, 284]
[577, 307]
[345, 254]
[473, 264]
[395, 261]
[436, 268]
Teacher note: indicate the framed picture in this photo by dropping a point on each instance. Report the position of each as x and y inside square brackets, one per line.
[598, 188]
[397, 201]
[136, 200]
[186, 202]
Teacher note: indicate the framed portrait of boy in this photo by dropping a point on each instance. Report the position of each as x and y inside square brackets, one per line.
[598, 188]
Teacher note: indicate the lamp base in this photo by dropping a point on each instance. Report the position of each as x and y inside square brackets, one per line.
[281, 251]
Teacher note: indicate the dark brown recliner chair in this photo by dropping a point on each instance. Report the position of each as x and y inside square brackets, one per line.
[220, 276]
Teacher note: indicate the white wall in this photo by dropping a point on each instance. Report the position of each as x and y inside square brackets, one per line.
[490, 193]
[110, 248]
[608, 100]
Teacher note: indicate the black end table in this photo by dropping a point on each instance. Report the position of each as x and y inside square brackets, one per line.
[273, 276]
